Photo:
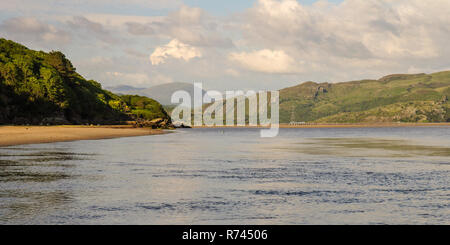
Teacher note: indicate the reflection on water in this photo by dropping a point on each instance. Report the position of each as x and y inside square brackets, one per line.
[231, 176]
[30, 168]
[368, 147]
[28, 204]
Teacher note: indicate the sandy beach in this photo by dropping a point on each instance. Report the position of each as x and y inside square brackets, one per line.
[20, 135]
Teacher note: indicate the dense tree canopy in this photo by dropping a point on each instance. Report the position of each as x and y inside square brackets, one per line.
[38, 87]
[143, 107]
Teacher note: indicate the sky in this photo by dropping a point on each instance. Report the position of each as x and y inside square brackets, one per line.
[235, 44]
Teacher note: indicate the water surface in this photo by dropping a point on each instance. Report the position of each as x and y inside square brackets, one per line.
[231, 176]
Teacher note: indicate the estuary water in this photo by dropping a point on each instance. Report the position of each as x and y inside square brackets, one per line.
[232, 176]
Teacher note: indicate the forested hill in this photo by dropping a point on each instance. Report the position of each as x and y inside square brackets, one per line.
[394, 98]
[419, 98]
[39, 88]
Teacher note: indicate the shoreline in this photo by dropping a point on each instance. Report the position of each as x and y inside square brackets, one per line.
[24, 135]
[365, 125]
[343, 125]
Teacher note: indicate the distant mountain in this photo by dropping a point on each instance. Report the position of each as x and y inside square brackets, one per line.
[393, 98]
[124, 89]
[162, 93]
[44, 88]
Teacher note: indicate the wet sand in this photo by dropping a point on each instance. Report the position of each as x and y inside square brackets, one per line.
[20, 135]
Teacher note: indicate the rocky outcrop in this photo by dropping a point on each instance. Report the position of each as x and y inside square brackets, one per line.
[155, 123]
[181, 125]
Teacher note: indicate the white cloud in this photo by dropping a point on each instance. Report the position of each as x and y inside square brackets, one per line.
[83, 6]
[31, 29]
[279, 42]
[174, 49]
[192, 26]
[119, 20]
[354, 37]
[138, 79]
[92, 28]
[266, 61]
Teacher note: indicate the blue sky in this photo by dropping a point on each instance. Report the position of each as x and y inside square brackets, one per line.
[225, 7]
[220, 7]
[216, 7]
[269, 44]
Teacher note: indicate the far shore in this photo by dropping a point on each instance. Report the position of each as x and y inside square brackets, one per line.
[21, 135]
[342, 125]
[363, 125]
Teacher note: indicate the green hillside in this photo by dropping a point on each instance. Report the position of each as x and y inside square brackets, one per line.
[394, 98]
[44, 88]
[143, 107]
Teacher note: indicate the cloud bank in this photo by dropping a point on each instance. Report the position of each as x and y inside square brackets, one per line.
[267, 61]
[273, 44]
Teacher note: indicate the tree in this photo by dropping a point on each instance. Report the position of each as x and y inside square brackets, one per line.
[59, 61]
